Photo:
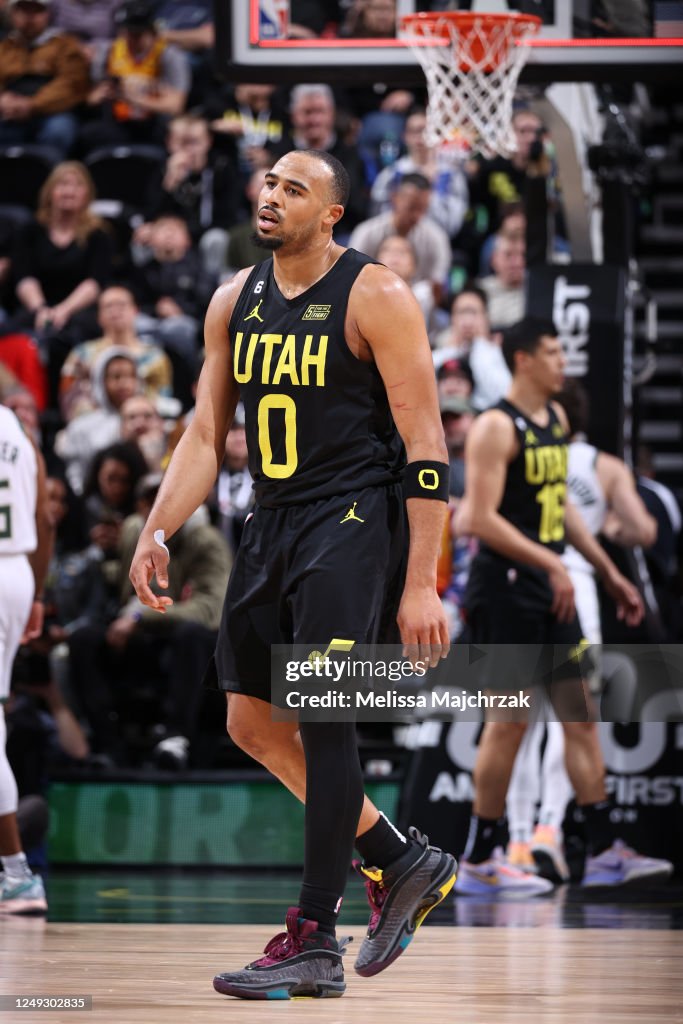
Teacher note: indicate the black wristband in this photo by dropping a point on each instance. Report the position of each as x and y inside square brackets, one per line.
[426, 480]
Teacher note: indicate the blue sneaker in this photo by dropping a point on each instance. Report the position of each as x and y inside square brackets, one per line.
[25, 897]
[496, 878]
[620, 865]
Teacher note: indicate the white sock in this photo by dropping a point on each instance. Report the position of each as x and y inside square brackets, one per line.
[523, 791]
[16, 867]
[557, 789]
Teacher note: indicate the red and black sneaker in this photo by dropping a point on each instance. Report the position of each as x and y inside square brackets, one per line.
[302, 961]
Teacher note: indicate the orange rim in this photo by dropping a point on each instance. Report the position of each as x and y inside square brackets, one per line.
[466, 20]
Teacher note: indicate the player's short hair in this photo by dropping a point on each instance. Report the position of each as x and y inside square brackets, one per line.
[574, 400]
[341, 183]
[525, 336]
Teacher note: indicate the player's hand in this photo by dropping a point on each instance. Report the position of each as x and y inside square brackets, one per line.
[563, 593]
[34, 627]
[629, 603]
[150, 559]
[424, 629]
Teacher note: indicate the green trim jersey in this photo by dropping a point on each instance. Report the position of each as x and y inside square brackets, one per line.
[317, 419]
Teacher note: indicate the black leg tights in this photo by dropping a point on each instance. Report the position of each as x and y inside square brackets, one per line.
[334, 798]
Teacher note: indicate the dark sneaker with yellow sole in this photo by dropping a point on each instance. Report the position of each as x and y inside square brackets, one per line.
[400, 898]
[299, 962]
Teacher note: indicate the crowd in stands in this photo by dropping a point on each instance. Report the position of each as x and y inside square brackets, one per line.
[130, 178]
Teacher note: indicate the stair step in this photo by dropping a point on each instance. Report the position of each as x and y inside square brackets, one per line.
[668, 298]
[668, 462]
[669, 173]
[665, 329]
[668, 364]
[662, 233]
[656, 430]
[656, 394]
[661, 264]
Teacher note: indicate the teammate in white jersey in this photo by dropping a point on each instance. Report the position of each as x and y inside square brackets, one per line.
[25, 547]
[602, 487]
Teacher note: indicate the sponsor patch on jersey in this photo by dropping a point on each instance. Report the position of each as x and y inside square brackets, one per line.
[317, 313]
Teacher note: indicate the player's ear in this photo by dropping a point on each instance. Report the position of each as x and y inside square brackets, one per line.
[335, 212]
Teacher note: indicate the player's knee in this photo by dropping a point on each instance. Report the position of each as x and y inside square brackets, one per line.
[580, 732]
[245, 736]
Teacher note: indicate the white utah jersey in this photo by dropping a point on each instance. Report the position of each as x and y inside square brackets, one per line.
[585, 491]
[18, 487]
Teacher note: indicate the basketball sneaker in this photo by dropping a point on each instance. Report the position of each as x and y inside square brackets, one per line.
[548, 854]
[519, 855]
[620, 865]
[301, 961]
[24, 897]
[496, 878]
[400, 898]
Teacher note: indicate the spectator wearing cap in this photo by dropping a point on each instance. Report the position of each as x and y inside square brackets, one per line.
[43, 78]
[409, 218]
[141, 82]
[470, 335]
[457, 416]
[453, 377]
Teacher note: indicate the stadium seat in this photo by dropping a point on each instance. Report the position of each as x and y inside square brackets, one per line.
[124, 173]
[23, 169]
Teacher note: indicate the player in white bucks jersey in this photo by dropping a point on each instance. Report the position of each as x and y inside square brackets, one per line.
[603, 490]
[25, 541]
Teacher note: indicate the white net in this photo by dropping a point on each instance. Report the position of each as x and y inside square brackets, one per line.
[472, 66]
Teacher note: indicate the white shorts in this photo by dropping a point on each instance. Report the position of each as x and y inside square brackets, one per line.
[587, 605]
[16, 597]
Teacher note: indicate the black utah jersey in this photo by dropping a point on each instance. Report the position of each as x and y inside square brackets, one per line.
[317, 418]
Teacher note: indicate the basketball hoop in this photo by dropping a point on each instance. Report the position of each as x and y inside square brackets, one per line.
[472, 63]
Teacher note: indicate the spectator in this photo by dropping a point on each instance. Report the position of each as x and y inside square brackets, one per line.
[449, 196]
[397, 253]
[234, 496]
[457, 416]
[142, 425]
[453, 377]
[19, 355]
[663, 558]
[91, 21]
[140, 82]
[500, 181]
[61, 264]
[117, 312]
[23, 404]
[109, 491]
[114, 379]
[408, 218]
[242, 250]
[43, 78]
[470, 335]
[504, 288]
[249, 122]
[313, 111]
[197, 183]
[370, 19]
[139, 645]
[173, 288]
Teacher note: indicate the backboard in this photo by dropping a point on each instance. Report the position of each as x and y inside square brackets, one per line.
[253, 45]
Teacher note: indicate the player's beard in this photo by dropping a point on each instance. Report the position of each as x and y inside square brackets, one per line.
[264, 242]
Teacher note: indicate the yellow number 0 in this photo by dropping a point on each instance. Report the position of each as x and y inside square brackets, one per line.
[277, 470]
[551, 499]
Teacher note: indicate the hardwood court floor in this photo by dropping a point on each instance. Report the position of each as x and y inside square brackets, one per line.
[161, 974]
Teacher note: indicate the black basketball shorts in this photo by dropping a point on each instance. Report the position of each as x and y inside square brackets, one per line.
[524, 643]
[306, 574]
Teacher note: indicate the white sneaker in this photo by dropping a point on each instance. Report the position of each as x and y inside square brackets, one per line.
[172, 753]
[25, 897]
[496, 878]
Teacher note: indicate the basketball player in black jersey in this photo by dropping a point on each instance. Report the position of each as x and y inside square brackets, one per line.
[520, 596]
[328, 352]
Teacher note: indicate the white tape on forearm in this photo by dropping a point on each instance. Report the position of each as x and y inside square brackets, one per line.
[159, 536]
